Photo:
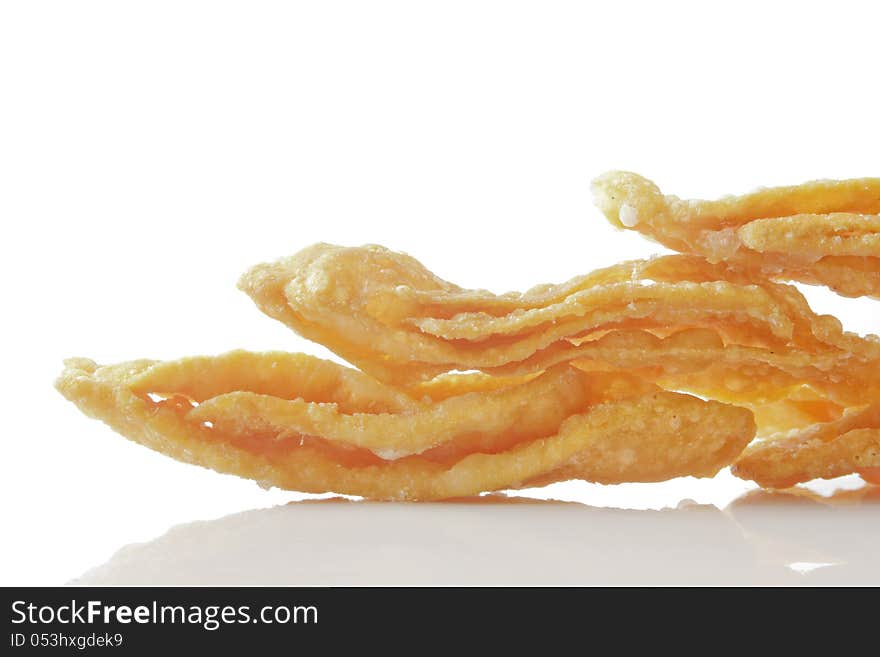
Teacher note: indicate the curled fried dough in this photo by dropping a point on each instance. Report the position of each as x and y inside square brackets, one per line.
[282, 374]
[823, 232]
[390, 316]
[464, 391]
[848, 445]
[649, 437]
[491, 418]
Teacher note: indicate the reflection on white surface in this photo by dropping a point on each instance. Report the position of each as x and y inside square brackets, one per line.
[760, 538]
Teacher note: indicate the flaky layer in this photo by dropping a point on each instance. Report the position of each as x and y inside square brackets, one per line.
[730, 336]
[822, 232]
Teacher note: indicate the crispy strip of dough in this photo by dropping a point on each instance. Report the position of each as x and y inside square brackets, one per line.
[822, 451]
[505, 416]
[648, 438]
[282, 374]
[821, 233]
[360, 302]
[276, 373]
[244, 393]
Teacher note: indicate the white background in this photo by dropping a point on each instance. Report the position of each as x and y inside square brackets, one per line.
[151, 151]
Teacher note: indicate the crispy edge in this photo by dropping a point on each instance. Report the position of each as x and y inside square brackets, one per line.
[822, 451]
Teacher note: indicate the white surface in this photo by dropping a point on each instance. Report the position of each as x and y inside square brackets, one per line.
[759, 539]
[150, 152]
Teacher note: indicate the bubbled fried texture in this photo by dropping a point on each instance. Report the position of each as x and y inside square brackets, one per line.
[462, 391]
[612, 431]
[822, 233]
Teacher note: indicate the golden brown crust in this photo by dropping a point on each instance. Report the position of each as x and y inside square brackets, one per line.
[850, 444]
[361, 303]
[821, 233]
[613, 440]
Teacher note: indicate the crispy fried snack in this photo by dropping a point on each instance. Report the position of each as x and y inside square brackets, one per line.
[848, 445]
[465, 391]
[676, 320]
[297, 422]
[680, 322]
[821, 233]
